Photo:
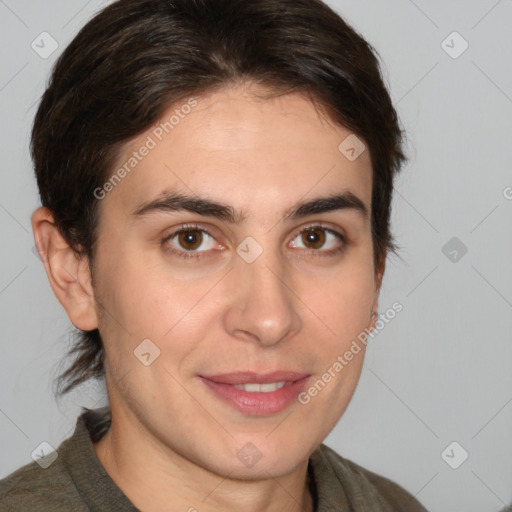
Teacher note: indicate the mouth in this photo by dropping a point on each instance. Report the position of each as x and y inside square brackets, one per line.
[257, 394]
[248, 377]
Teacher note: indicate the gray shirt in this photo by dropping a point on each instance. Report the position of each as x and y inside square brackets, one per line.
[76, 481]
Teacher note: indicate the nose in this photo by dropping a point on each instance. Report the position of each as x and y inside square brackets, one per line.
[262, 307]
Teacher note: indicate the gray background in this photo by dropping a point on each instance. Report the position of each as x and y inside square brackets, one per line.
[441, 370]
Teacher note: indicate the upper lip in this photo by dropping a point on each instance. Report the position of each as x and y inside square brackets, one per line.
[257, 378]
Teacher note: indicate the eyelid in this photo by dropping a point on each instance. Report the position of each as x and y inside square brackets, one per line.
[335, 231]
[199, 254]
[191, 226]
[339, 234]
[298, 231]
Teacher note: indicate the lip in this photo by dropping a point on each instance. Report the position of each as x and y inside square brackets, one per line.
[257, 403]
[253, 377]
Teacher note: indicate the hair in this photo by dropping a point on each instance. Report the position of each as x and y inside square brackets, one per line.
[136, 58]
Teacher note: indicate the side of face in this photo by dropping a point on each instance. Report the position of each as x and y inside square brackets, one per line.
[262, 295]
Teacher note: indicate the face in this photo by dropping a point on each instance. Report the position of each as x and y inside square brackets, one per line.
[221, 250]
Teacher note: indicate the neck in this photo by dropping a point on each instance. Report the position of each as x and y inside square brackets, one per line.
[169, 478]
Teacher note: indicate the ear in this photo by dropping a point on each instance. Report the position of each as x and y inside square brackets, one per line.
[374, 313]
[67, 272]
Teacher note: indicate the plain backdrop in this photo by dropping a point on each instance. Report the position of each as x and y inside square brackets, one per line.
[437, 380]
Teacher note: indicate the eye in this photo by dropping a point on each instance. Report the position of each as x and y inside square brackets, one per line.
[189, 240]
[192, 241]
[319, 239]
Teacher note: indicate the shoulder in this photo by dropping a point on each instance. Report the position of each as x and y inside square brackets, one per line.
[39, 490]
[362, 481]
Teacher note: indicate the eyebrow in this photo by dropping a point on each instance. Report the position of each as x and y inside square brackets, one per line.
[174, 202]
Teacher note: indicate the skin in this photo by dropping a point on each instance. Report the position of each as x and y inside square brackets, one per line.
[172, 440]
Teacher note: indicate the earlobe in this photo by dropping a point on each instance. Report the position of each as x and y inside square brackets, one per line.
[68, 273]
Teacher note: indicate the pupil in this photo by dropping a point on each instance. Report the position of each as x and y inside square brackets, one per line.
[190, 239]
[314, 237]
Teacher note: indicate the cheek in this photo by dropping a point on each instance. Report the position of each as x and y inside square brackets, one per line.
[344, 306]
[141, 302]
[344, 302]
[127, 283]
[127, 301]
[144, 304]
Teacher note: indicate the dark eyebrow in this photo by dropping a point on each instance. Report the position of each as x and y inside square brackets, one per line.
[344, 201]
[173, 202]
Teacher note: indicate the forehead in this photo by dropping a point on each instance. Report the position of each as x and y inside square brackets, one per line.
[234, 144]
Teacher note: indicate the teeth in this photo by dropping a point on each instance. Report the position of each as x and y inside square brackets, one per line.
[261, 388]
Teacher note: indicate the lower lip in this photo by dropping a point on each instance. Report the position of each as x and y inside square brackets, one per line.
[258, 403]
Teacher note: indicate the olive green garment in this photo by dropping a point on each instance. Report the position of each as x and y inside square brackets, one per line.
[77, 482]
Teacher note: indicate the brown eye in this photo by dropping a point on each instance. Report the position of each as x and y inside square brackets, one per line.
[319, 240]
[314, 238]
[190, 239]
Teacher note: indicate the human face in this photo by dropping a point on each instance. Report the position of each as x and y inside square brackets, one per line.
[208, 308]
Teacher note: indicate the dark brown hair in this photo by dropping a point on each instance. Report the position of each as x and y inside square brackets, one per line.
[137, 57]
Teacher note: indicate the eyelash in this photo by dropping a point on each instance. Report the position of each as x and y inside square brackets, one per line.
[198, 254]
